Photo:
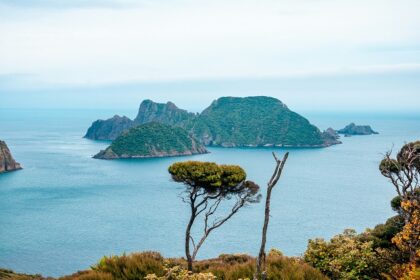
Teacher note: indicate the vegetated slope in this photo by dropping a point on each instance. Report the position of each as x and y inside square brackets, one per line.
[256, 121]
[152, 140]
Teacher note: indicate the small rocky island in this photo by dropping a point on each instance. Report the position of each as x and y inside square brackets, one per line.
[7, 162]
[353, 129]
[152, 140]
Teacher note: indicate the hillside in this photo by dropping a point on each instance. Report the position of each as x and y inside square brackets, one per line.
[152, 140]
[256, 121]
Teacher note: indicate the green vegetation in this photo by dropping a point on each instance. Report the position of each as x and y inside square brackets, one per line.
[227, 122]
[152, 140]
[254, 121]
[390, 250]
[207, 186]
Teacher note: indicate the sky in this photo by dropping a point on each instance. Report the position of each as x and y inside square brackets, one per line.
[312, 54]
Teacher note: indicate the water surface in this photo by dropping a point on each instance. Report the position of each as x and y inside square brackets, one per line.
[65, 210]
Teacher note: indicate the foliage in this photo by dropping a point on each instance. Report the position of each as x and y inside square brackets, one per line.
[381, 235]
[153, 138]
[409, 236]
[344, 257]
[241, 266]
[404, 174]
[207, 175]
[179, 273]
[152, 266]
[130, 267]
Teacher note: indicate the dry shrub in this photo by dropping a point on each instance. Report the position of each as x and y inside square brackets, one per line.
[241, 266]
[225, 267]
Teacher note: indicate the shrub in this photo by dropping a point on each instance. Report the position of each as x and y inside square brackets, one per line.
[130, 267]
[345, 256]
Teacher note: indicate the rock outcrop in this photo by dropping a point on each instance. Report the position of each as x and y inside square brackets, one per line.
[7, 162]
[168, 113]
[152, 140]
[109, 129]
[353, 129]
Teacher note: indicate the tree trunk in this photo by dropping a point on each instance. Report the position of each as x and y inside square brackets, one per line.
[187, 242]
[260, 271]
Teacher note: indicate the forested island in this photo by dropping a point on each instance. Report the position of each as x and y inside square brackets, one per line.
[152, 140]
[228, 122]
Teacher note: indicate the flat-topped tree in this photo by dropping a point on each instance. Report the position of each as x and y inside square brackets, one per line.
[207, 185]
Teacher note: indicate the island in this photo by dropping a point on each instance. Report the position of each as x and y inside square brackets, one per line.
[7, 162]
[256, 121]
[353, 129]
[152, 140]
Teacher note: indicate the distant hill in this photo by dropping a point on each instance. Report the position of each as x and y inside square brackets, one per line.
[256, 121]
[152, 140]
[227, 122]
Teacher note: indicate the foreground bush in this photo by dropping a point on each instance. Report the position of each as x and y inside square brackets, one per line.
[152, 266]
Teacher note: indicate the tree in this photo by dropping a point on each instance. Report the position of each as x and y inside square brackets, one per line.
[403, 172]
[207, 185]
[273, 181]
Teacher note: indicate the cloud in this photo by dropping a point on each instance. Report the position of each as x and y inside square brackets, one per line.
[66, 4]
[181, 39]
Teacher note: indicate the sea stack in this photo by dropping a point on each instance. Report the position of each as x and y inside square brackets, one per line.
[7, 162]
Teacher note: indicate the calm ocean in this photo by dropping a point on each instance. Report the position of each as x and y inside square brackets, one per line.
[65, 210]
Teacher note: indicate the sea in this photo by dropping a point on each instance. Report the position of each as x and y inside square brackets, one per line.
[66, 210]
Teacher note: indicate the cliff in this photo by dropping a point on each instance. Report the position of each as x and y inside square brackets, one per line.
[152, 140]
[7, 163]
[168, 113]
[109, 129]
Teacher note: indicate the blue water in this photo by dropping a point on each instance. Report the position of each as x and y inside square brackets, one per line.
[65, 210]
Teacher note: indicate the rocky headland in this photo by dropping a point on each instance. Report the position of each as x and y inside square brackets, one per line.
[7, 162]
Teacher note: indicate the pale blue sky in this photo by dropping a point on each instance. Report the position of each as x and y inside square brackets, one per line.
[319, 55]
